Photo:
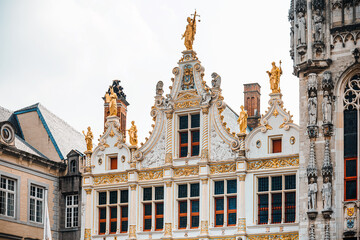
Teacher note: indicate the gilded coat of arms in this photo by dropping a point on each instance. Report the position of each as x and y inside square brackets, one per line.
[350, 211]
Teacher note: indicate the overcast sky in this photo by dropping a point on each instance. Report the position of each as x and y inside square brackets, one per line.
[65, 54]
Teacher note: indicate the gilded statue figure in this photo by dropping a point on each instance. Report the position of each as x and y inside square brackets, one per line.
[242, 121]
[111, 99]
[133, 134]
[190, 31]
[274, 76]
[88, 139]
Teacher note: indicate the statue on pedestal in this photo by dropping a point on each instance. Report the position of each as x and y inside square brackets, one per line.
[312, 109]
[318, 25]
[312, 191]
[274, 76]
[242, 121]
[159, 88]
[326, 108]
[301, 29]
[326, 194]
[133, 134]
[88, 139]
[111, 99]
[190, 32]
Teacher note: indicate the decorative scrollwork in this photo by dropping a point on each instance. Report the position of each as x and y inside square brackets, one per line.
[197, 67]
[150, 175]
[175, 71]
[186, 171]
[222, 168]
[278, 236]
[111, 179]
[138, 155]
[352, 94]
[273, 163]
[235, 145]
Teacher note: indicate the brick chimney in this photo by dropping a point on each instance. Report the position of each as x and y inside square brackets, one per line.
[121, 105]
[252, 103]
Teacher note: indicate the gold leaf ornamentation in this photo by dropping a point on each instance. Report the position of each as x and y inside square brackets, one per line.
[111, 179]
[222, 168]
[277, 236]
[87, 235]
[186, 171]
[275, 113]
[112, 133]
[273, 163]
[150, 175]
[187, 104]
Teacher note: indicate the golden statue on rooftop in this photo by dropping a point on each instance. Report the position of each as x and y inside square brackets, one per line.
[133, 134]
[88, 139]
[111, 99]
[190, 32]
[242, 121]
[274, 76]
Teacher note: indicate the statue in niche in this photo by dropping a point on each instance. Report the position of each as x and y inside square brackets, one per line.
[242, 121]
[133, 134]
[168, 104]
[327, 108]
[312, 109]
[301, 28]
[274, 76]
[111, 99]
[318, 25]
[188, 78]
[159, 88]
[292, 35]
[88, 139]
[326, 194]
[312, 191]
[216, 81]
[190, 32]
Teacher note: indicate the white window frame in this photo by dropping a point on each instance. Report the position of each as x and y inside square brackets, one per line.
[8, 192]
[72, 211]
[270, 192]
[188, 199]
[153, 202]
[188, 130]
[36, 200]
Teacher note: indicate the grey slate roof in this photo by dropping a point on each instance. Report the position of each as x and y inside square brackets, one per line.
[5, 114]
[26, 147]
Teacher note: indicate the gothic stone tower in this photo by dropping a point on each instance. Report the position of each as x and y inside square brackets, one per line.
[324, 48]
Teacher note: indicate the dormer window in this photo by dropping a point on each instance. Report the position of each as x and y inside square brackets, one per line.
[189, 135]
[73, 166]
[275, 145]
[113, 162]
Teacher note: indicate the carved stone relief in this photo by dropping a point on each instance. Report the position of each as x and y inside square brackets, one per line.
[156, 156]
[220, 150]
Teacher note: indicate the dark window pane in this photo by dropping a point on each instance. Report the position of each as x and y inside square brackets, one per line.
[263, 184]
[159, 223]
[263, 208]
[290, 206]
[219, 187]
[113, 226]
[195, 121]
[195, 136]
[194, 190]
[102, 213]
[290, 182]
[102, 198]
[124, 226]
[102, 227]
[182, 191]
[195, 206]
[276, 145]
[232, 203]
[113, 212]
[183, 207]
[276, 208]
[195, 221]
[231, 218]
[124, 212]
[159, 193]
[219, 204]
[182, 222]
[183, 122]
[147, 224]
[147, 194]
[351, 189]
[124, 196]
[183, 137]
[351, 168]
[350, 133]
[159, 208]
[183, 151]
[195, 150]
[113, 197]
[276, 183]
[231, 186]
[147, 209]
[219, 219]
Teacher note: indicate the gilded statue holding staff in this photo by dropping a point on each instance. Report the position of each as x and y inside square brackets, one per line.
[133, 134]
[88, 139]
[274, 76]
[190, 32]
[242, 121]
[111, 99]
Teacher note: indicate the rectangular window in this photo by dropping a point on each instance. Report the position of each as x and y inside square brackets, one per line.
[225, 195]
[188, 205]
[114, 203]
[72, 211]
[153, 208]
[276, 199]
[36, 203]
[7, 197]
[276, 145]
[189, 135]
[113, 163]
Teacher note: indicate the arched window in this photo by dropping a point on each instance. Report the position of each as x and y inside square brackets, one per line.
[351, 137]
[73, 166]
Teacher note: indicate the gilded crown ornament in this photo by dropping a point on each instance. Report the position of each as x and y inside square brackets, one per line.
[111, 99]
[133, 134]
[190, 31]
[274, 76]
[88, 139]
[242, 121]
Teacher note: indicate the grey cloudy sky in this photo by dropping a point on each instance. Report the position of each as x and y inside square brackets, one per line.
[64, 54]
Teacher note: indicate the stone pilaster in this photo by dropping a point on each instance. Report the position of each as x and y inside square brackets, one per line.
[205, 135]
[88, 217]
[168, 210]
[204, 211]
[133, 212]
[242, 207]
[168, 146]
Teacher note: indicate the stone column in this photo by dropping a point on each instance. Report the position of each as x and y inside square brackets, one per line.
[168, 146]
[88, 218]
[205, 134]
[204, 207]
[168, 210]
[241, 202]
[132, 212]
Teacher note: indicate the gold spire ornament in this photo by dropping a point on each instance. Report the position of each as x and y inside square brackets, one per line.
[88, 139]
[274, 76]
[242, 121]
[133, 134]
[111, 99]
[190, 31]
